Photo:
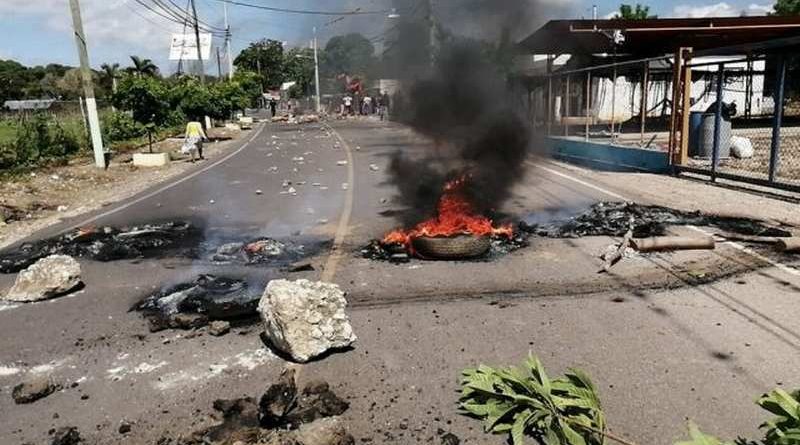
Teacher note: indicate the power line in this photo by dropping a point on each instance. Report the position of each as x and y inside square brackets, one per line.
[357, 11]
[172, 18]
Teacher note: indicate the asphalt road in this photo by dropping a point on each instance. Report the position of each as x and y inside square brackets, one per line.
[661, 349]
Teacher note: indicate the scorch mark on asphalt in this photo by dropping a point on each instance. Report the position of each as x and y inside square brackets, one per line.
[344, 220]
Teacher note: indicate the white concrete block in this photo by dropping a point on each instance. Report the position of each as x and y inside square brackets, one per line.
[150, 159]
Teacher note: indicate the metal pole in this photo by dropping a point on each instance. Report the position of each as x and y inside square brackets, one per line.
[316, 71]
[775, 148]
[717, 122]
[566, 110]
[549, 115]
[88, 87]
[643, 111]
[219, 65]
[549, 103]
[588, 101]
[228, 40]
[197, 38]
[613, 102]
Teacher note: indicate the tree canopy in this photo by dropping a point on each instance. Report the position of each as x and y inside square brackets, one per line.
[787, 7]
[349, 54]
[270, 55]
[634, 12]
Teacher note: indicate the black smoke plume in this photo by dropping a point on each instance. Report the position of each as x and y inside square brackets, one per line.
[466, 104]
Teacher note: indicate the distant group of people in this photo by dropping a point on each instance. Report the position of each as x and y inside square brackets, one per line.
[366, 105]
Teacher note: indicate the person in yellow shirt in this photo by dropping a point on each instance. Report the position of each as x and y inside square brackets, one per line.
[193, 142]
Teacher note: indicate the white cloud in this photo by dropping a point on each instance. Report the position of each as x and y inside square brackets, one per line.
[721, 9]
[117, 27]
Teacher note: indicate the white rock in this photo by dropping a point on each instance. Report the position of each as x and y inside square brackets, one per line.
[47, 278]
[305, 318]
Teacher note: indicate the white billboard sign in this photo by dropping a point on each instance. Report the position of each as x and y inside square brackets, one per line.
[184, 46]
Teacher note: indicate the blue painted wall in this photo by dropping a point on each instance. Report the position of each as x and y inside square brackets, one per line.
[608, 157]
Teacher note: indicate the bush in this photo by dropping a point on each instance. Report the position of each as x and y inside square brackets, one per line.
[39, 139]
[120, 126]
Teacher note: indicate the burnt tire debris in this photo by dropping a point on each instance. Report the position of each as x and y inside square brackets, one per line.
[195, 304]
[616, 218]
[396, 253]
[108, 243]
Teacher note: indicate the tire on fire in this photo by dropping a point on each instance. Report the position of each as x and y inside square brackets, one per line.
[451, 247]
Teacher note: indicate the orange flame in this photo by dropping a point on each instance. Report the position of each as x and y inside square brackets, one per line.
[455, 216]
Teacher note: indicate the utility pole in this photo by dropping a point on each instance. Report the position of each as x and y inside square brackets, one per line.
[316, 70]
[219, 65]
[88, 88]
[228, 40]
[197, 38]
[432, 29]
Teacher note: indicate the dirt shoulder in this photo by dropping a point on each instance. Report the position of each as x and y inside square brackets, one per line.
[40, 199]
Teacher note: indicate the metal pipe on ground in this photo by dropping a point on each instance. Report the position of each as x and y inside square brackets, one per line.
[665, 243]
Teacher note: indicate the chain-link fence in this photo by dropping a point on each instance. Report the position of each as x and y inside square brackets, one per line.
[625, 103]
[728, 110]
[755, 134]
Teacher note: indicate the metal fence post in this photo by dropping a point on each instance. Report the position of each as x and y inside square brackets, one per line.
[643, 105]
[588, 101]
[775, 148]
[564, 121]
[717, 122]
[549, 103]
[613, 103]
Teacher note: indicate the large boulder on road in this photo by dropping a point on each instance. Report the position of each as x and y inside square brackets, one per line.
[47, 278]
[304, 319]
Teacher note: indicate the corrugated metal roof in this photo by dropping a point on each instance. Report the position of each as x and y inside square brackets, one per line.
[653, 37]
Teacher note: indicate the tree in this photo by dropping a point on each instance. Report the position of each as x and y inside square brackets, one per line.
[264, 57]
[298, 66]
[638, 12]
[787, 7]
[110, 74]
[13, 80]
[70, 85]
[142, 67]
[196, 100]
[146, 98]
[351, 54]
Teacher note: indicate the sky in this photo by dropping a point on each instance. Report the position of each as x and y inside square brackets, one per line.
[41, 33]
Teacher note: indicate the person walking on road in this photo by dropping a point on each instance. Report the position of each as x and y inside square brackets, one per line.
[348, 105]
[273, 106]
[193, 141]
[384, 105]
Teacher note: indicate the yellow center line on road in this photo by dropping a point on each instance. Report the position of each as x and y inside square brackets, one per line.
[343, 228]
[740, 247]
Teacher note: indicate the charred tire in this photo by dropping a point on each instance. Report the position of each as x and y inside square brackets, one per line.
[451, 247]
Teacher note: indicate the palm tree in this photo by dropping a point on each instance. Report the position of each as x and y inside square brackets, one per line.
[143, 67]
[111, 73]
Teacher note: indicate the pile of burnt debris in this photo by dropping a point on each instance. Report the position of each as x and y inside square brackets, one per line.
[197, 303]
[398, 253]
[284, 415]
[266, 251]
[108, 244]
[163, 240]
[616, 218]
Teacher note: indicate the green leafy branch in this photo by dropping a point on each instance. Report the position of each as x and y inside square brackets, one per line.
[567, 410]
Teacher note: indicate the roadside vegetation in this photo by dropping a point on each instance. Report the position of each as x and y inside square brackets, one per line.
[525, 402]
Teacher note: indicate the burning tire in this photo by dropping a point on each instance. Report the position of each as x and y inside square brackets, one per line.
[451, 247]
